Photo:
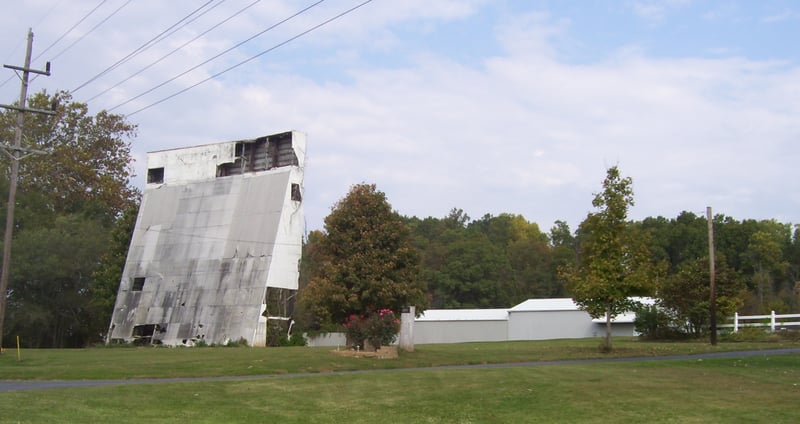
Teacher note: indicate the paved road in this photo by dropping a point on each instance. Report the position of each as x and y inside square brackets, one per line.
[17, 385]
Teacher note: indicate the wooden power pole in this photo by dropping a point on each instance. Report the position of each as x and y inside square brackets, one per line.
[16, 153]
[712, 277]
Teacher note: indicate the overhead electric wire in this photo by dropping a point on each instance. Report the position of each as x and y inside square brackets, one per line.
[91, 30]
[172, 30]
[173, 51]
[22, 40]
[250, 58]
[176, 29]
[70, 29]
[140, 48]
[220, 54]
[179, 233]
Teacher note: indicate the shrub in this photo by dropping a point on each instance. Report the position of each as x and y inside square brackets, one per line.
[242, 342]
[297, 339]
[655, 323]
[379, 329]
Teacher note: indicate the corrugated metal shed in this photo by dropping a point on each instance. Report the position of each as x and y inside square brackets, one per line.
[463, 315]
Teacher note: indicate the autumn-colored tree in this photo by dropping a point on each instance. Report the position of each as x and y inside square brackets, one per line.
[614, 264]
[364, 261]
[89, 165]
[82, 183]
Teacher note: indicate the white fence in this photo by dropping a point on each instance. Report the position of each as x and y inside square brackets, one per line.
[775, 321]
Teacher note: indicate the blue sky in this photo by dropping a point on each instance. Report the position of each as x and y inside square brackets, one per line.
[487, 106]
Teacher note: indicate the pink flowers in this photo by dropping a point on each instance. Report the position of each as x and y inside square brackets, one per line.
[379, 329]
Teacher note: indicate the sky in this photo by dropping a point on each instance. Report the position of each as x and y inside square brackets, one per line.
[489, 106]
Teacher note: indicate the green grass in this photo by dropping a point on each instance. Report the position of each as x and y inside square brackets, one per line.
[754, 389]
[126, 363]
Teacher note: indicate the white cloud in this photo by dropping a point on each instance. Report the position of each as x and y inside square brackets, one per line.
[654, 11]
[522, 131]
[786, 15]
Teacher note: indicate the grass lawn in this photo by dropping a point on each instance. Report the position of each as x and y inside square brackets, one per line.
[148, 362]
[754, 389]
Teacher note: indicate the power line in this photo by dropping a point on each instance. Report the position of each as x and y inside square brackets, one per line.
[140, 48]
[214, 238]
[70, 29]
[176, 29]
[226, 51]
[216, 56]
[251, 58]
[22, 41]
[173, 51]
[91, 30]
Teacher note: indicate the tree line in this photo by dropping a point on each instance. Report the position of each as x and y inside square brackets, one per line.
[499, 261]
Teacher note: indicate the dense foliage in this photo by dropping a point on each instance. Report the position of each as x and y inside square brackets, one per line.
[493, 262]
[363, 263]
[69, 202]
[499, 261]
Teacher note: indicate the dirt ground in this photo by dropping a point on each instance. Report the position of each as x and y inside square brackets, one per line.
[385, 352]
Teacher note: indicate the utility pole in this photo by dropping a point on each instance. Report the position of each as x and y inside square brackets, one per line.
[16, 153]
[712, 277]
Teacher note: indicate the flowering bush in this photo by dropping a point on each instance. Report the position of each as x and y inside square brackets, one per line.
[379, 329]
[354, 330]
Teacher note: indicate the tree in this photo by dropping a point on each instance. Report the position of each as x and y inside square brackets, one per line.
[107, 276]
[476, 274]
[49, 302]
[366, 262]
[614, 263]
[686, 294]
[89, 165]
[84, 179]
[532, 262]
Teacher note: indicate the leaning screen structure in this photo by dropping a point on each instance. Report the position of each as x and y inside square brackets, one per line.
[219, 231]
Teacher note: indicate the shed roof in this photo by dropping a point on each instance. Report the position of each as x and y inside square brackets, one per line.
[541, 305]
[464, 315]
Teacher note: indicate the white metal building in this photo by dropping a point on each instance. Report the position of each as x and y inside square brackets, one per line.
[533, 319]
[542, 319]
[219, 226]
[461, 325]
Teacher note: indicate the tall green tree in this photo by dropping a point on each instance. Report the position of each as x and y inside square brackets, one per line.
[614, 263]
[366, 261]
[686, 294]
[107, 276]
[49, 301]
